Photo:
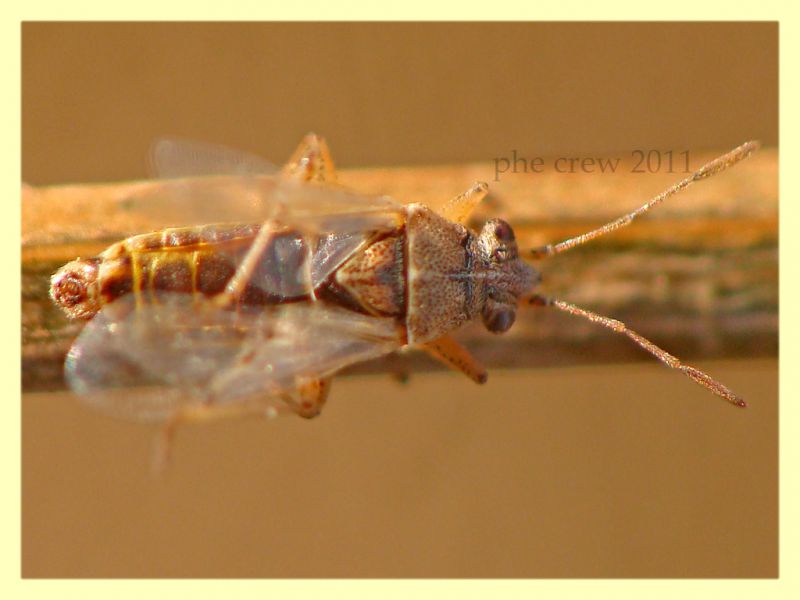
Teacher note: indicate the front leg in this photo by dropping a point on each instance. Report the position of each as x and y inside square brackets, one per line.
[447, 350]
[459, 209]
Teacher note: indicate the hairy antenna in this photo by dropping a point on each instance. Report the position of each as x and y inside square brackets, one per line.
[712, 168]
[665, 357]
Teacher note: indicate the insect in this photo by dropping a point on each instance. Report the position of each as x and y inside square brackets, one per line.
[264, 283]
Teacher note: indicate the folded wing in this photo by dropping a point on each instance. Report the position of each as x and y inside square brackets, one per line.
[144, 361]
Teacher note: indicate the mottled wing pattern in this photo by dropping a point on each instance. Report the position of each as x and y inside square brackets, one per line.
[143, 361]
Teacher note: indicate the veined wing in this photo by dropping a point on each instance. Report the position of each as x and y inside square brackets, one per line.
[143, 362]
[172, 157]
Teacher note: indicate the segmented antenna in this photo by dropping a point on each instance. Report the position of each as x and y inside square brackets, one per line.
[708, 170]
[712, 168]
[665, 357]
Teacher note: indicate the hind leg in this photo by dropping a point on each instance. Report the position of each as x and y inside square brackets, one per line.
[448, 351]
[310, 397]
[204, 413]
[312, 161]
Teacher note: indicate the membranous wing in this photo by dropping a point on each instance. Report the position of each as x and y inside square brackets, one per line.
[144, 358]
[150, 352]
[172, 157]
[212, 184]
[256, 199]
[241, 203]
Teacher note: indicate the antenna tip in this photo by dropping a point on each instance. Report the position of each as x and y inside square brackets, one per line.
[750, 146]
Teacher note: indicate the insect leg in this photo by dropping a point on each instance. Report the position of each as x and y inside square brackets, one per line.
[311, 395]
[454, 355]
[201, 413]
[458, 209]
[311, 161]
[662, 355]
[236, 284]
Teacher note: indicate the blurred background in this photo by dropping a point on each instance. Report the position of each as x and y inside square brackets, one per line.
[620, 470]
[96, 95]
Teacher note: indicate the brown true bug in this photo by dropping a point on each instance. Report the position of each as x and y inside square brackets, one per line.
[277, 280]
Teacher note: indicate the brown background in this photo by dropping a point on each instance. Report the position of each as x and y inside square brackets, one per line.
[565, 472]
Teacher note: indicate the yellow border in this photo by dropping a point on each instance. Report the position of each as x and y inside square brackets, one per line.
[409, 10]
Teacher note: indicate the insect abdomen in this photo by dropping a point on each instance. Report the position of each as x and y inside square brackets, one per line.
[202, 260]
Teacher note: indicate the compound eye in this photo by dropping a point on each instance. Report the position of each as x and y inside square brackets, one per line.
[499, 321]
[503, 231]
